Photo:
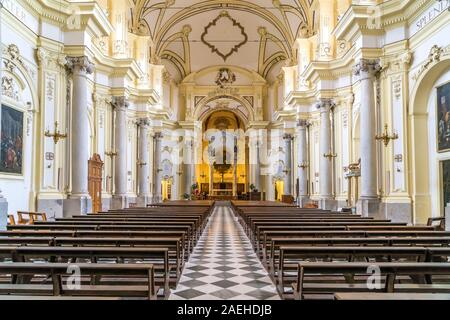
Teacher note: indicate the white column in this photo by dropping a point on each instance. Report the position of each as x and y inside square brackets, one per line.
[211, 176]
[235, 178]
[288, 164]
[120, 200]
[367, 71]
[188, 163]
[80, 201]
[143, 163]
[303, 164]
[257, 166]
[176, 187]
[325, 174]
[157, 196]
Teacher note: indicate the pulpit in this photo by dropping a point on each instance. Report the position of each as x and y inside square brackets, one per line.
[352, 176]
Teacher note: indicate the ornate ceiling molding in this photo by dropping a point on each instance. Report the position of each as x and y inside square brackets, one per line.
[434, 57]
[214, 49]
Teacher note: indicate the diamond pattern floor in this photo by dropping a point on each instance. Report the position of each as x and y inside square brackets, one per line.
[224, 266]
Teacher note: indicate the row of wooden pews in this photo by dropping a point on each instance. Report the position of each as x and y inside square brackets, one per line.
[128, 253]
[320, 254]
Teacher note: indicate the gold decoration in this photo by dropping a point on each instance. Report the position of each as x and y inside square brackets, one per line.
[56, 135]
[386, 137]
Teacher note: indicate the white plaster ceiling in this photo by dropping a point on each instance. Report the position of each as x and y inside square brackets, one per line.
[256, 35]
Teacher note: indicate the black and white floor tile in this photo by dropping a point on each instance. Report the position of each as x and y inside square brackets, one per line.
[224, 266]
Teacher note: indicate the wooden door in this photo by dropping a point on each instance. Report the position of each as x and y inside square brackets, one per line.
[95, 182]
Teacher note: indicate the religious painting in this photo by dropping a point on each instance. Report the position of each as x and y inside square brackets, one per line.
[446, 181]
[443, 117]
[11, 141]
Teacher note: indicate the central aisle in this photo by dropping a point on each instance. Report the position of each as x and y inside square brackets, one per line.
[223, 265]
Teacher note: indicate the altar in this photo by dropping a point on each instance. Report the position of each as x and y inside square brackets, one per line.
[222, 194]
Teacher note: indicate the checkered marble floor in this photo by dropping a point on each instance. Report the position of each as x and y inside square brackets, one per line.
[224, 266]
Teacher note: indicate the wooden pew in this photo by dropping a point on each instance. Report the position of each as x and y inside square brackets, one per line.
[290, 257]
[76, 228]
[390, 296]
[273, 250]
[389, 272]
[185, 244]
[58, 272]
[173, 245]
[159, 257]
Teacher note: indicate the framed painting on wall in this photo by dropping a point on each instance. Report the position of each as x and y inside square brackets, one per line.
[11, 141]
[443, 117]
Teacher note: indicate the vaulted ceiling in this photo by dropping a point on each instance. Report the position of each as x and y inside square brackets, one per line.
[190, 35]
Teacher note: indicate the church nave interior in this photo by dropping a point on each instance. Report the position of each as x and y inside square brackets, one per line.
[225, 150]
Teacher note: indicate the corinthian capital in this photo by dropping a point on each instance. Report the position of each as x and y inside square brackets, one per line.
[370, 67]
[302, 123]
[79, 64]
[120, 102]
[143, 122]
[325, 105]
[158, 135]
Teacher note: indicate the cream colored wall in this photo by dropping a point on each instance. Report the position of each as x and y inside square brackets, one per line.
[398, 183]
[407, 82]
[42, 52]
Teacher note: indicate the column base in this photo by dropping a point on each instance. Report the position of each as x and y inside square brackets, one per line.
[368, 207]
[396, 212]
[157, 199]
[302, 201]
[119, 202]
[341, 204]
[76, 206]
[142, 201]
[3, 214]
[106, 204]
[53, 208]
[328, 204]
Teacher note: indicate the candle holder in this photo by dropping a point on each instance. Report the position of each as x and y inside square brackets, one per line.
[303, 165]
[111, 154]
[286, 171]
[56, 135]
[140, 163]
[330, 155]
[386, 137]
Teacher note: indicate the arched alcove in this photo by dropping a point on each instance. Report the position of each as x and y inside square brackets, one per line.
[420, 137]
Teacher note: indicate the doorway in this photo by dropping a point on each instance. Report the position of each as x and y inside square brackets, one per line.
[95, 182]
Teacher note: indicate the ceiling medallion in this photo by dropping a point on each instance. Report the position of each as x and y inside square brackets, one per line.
[237, 27]
[225, 77]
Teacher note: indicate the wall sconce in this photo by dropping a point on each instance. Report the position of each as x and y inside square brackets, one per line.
[330, 155]
[56, 135]
[303, 165]
[140, 163]
[386, 137]
[111, 154]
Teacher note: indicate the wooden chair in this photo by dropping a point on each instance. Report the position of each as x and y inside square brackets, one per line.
[11, 220]
[311, 205]
[440, 226]
[30, 217]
